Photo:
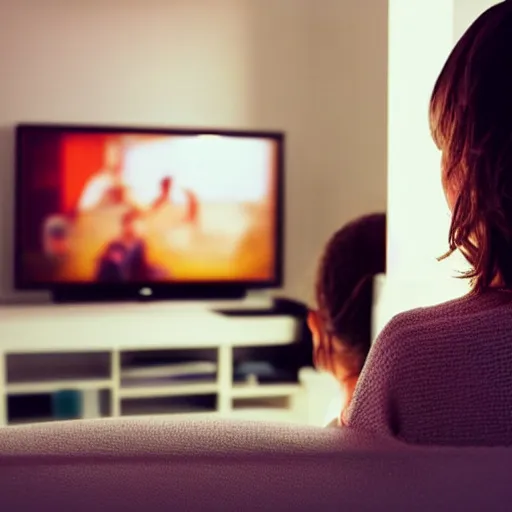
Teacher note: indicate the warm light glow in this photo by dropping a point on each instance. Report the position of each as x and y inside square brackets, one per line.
[217, 168]
[183, 207]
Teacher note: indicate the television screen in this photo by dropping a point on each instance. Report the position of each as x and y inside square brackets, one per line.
[124, 205]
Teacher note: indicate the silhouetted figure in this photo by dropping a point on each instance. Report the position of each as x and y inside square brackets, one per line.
[110, 268]
[164, 197]
[56, 237]
[124, 259]
[106, 187]
[192, 207]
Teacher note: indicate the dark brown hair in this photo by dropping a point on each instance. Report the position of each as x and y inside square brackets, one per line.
[344, 287]
[471, 122]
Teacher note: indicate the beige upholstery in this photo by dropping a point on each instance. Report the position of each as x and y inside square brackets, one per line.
[201, 466]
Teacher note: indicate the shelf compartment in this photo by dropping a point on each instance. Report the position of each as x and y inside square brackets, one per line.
[138, 390]
[35, 407]
[29, 421]
[50, 386]
[57, 367]
[143, 361]
[169, 406]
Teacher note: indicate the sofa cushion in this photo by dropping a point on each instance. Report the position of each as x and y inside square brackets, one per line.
[157, 464]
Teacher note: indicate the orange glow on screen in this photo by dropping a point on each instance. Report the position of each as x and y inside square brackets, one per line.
[164, 208]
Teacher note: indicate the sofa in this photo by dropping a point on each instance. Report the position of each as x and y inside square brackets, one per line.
[158, 464]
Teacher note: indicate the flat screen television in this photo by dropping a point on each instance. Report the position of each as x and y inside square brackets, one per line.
[129, 212]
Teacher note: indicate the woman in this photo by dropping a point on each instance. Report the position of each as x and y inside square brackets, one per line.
[443, 375]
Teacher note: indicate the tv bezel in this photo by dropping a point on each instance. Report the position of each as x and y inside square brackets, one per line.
[159, 290]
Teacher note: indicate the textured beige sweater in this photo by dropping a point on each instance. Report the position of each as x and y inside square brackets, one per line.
[441, 375]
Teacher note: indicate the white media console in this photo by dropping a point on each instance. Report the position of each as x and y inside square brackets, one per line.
[50, 348]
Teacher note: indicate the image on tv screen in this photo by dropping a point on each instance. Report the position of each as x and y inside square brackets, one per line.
[124, 207]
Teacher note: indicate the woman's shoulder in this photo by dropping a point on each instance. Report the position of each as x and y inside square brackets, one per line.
[417, 317]
[449, 318]
[405, 340]
[422, 318]
[472, 304]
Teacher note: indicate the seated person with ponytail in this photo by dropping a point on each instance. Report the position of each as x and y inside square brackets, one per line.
[341, 326]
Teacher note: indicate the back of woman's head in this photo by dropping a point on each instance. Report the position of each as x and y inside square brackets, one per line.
[344, 289]
[471, 121]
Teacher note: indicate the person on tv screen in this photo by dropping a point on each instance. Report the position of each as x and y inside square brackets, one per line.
[125, 258]
[165, 198]
[106, 187]
[56, 237]
[192, 212]
[165, 194]
[110, 268]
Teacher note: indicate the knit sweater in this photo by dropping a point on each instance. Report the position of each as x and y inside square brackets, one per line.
[441, 375]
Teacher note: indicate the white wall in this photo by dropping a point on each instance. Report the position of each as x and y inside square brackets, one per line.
[467, 11]
[318, 74]
[415, 197]
[347, 113]
[421, 36]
